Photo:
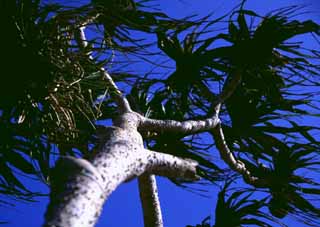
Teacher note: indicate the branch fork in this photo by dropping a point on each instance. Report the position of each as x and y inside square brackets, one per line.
[124, 157]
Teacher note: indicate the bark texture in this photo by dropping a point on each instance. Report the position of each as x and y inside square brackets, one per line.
[78, 199]
[80, 187]
[152, 215]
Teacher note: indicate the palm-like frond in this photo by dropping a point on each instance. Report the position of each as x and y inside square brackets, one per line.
[46, 91]
[120, 18]
[56, 85]
[264, 97]
[58, 94]
[268, 56]
[270, 66]
[205, 223]
[238, 210]
[289, 191]
[267, 65]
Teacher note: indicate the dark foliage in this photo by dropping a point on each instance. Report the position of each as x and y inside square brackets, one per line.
[52, 94]
[238, 210]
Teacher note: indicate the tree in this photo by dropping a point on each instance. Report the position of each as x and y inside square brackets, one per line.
[237, 85]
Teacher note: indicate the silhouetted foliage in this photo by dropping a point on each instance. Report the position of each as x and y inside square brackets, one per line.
[52, 95]
[238, 210]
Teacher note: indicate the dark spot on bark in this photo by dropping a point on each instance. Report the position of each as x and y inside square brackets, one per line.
[121, 143]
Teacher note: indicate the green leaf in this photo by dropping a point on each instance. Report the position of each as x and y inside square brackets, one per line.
[15, 159]
[233, 31]
[10, 179]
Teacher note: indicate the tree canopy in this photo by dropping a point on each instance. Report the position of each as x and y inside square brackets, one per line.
[255, 71]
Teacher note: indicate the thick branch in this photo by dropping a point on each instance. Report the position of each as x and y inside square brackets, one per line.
[77, 198]
[228, 157]
[150, 201]
[171, 166]
[79, 191]
[164, 165]
[185, 127]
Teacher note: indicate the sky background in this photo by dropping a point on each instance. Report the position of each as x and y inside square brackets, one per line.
[180, 207]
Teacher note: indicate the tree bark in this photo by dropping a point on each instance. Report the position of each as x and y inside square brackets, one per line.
[80, 188]
[150, 201]
[78, 199]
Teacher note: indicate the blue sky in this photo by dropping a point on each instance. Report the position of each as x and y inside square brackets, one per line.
[180, 207]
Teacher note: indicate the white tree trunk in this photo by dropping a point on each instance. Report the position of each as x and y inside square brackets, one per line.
[150, 201]
[80, 187]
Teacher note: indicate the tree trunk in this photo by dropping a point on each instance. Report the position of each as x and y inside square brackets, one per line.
[80, 187]
[150, 201]
[78, 200]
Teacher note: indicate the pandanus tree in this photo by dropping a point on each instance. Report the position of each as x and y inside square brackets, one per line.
[242, 88]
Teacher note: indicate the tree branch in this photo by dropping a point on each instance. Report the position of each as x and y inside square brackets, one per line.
[171, 166]
[228, 88]
[120, 99]
[228, 157]
[218, 135]
[150, 201]
[83, 187]
[186, 127]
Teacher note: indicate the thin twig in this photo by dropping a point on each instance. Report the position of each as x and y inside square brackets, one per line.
[120, 99]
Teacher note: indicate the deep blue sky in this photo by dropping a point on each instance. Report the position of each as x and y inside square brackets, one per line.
[179, 206]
